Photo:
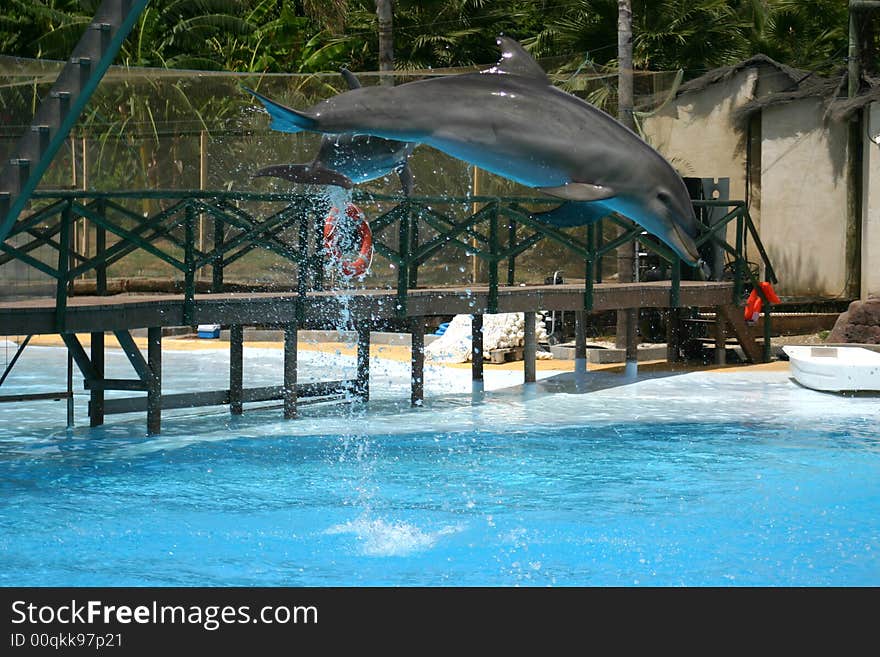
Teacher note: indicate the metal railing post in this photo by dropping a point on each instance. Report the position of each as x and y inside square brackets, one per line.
[493, 261]
[217, 262]
[189, 273]
[403, 270]
[100, 250]
[738, 265]
[511, 243]
[63, 267]
[413, 219]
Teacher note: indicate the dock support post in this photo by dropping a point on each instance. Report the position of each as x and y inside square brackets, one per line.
[362, 388]
[580, 342]
[530, 349]
[236, 368]
[720, 338]
[96, 397]
[154, 382]
[477, 348]
[69, 399]
[632, 344]
[417, 360]
[290, 345]
[673, 335]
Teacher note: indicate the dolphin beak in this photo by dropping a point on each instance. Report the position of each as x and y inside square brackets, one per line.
[685, 246]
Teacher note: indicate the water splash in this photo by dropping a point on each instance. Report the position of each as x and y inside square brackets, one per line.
[355, 445]
[382, 538]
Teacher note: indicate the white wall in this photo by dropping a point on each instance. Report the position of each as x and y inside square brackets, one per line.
[870, 283]
[696, 134]
[803, 198]
[799, 205]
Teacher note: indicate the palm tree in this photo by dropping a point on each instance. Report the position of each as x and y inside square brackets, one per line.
[386, 40]
[626, 318]
[811, 35]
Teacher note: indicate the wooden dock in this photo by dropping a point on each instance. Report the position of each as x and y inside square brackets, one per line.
[200, 234]
[368, 309]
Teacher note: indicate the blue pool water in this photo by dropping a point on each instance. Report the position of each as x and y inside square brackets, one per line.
[697, 479]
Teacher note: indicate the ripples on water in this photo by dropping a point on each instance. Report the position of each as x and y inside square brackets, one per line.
[700, 479]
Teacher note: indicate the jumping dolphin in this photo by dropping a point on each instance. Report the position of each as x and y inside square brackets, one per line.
[510, 120]
[345, 159]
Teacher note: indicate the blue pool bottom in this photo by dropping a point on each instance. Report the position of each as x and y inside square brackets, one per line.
[688, 480]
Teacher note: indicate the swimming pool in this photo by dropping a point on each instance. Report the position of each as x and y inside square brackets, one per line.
[696, 479]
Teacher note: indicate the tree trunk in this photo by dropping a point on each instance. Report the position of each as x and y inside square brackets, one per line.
[626, 319]
[385, 15]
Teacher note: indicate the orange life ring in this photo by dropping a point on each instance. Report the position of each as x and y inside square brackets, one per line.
[755, 303]
[361, 263]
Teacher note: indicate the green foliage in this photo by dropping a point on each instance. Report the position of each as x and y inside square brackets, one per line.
[811, 35]
[322, 35]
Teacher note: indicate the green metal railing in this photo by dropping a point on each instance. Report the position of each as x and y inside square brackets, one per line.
[498, 233]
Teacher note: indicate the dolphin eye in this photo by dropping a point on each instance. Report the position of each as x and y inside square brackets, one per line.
[664, 198]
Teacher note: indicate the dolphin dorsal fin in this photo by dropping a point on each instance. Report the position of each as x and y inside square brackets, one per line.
[350, 78]
[516, 61]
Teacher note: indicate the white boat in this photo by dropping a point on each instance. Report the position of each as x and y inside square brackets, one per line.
[835, 369]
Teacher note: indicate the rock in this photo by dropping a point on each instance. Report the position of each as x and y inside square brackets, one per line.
[860, 323]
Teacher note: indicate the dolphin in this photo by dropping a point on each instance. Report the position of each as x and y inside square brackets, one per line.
[510, 120]
[345, 159]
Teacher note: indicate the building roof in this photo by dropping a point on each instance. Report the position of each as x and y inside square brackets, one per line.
[804, 84]
[724, 73]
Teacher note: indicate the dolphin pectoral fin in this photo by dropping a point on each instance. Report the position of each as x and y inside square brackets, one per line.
[516, 61]
[572, 213]
[284, 119]
[406, 179]
[350, 79]
[306, 174]
[575, 191]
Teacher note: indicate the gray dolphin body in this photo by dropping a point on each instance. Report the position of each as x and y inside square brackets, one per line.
[346, 159]
[512, 121]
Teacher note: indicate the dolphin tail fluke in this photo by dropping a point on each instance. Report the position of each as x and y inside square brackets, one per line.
[284, 119]
[306, 174]
[572, 213]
